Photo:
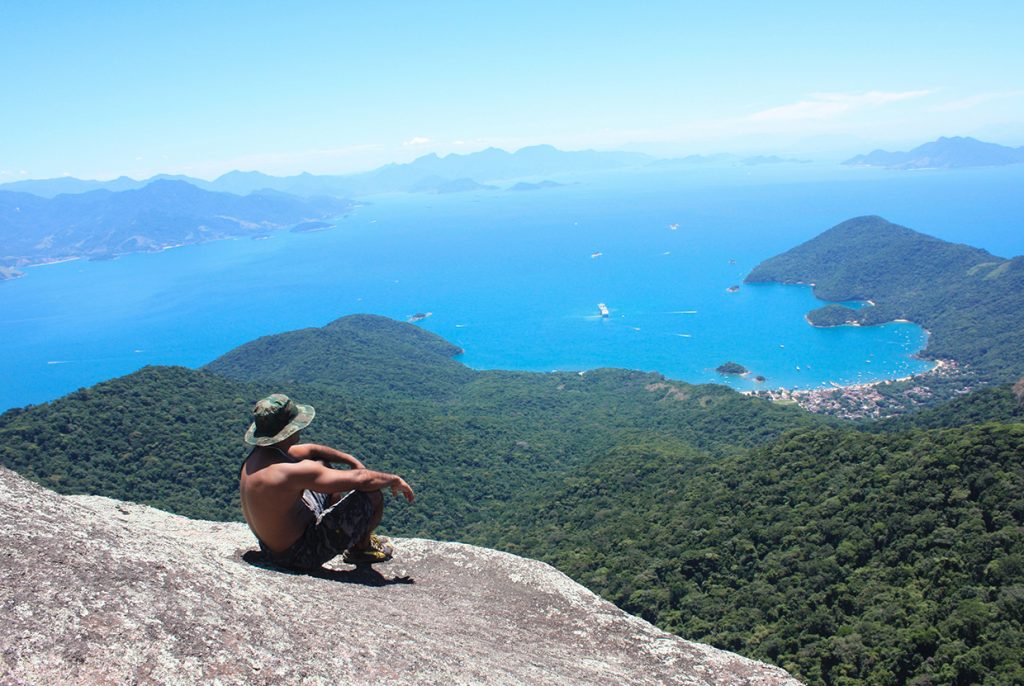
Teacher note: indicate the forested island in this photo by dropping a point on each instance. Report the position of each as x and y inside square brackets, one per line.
[733, 368]
[886, 553]
[834, 315]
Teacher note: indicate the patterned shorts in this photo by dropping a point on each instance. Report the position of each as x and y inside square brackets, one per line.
[333, 531]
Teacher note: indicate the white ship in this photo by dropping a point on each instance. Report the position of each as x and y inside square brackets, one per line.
[603, 309]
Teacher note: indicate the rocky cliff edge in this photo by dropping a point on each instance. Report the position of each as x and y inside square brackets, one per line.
[100, 591]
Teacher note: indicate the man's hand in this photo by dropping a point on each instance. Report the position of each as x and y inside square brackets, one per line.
[399, 486]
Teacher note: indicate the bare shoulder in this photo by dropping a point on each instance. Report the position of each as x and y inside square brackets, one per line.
[302, 451]
[298, 474]
[271, 470]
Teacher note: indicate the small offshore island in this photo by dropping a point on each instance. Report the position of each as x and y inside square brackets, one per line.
[834, 315]
[732, 368]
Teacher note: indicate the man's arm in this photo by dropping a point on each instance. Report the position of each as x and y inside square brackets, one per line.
[316, 477]
[314, 451]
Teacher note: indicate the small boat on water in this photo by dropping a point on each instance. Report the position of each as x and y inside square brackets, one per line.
[419, 316]
[595, 254]
[603, 309]
[674, 227]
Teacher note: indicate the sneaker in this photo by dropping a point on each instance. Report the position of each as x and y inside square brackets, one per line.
[379, 551]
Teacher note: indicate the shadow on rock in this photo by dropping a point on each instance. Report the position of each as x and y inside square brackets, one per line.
[364, 573]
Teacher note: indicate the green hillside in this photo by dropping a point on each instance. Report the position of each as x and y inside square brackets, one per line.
[844, 557]
[893, 555]
[970, 300]
[365, 353]
[384, 390]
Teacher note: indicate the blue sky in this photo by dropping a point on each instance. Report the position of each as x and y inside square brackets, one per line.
[101, 89]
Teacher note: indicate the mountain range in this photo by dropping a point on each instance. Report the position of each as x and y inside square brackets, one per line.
[56, 219]
[944, 153]
[429, 173]
[472, 171]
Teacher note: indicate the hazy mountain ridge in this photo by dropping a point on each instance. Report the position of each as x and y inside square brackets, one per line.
[969, 299]
[56, 219]
[164, 213]
[429, 173]
[479, 170]
[944, 153]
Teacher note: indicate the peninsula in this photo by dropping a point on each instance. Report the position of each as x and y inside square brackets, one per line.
[968, 299]
[102, 224]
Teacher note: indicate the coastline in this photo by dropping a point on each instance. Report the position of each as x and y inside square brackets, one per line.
[16, 270]
[47, 263]
[807, 318]
[863, 400]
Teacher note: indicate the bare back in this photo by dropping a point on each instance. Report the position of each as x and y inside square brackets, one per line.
[271, 503]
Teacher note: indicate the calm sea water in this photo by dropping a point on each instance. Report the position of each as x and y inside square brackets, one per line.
[511, 278]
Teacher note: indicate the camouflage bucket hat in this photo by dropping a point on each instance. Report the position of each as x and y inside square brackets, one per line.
[277, 417]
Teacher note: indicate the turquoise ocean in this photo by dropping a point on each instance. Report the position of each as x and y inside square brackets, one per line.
[515, 278]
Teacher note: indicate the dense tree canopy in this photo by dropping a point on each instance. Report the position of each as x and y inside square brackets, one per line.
[888, 553]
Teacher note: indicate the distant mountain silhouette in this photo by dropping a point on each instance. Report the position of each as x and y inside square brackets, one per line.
[426, 174]
[164, 213]
[944, 153]
[49, 188]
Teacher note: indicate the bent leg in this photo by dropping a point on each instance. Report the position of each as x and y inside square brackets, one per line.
[346, 525]
[377, 498]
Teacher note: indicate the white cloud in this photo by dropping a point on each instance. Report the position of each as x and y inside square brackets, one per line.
[831, 105]
[417, 140]
[975, 100]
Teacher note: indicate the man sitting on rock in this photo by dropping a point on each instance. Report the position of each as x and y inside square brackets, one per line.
[293, 501]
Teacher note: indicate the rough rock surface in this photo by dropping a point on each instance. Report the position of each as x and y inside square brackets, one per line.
[100, 591]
